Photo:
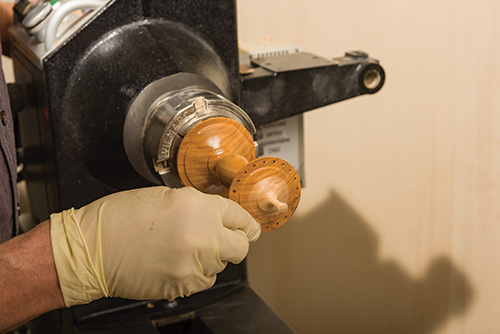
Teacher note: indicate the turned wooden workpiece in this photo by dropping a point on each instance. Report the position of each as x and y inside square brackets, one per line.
[217, 156]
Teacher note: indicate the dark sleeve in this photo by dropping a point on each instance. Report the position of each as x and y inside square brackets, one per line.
[8, 173]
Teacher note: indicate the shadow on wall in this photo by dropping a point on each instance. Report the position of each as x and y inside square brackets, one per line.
[321, 273]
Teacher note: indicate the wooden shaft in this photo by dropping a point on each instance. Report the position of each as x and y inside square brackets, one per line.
[270, 203]
[271, 194]
[228, 166]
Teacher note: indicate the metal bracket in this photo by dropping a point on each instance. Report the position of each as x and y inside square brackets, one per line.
[287, 85]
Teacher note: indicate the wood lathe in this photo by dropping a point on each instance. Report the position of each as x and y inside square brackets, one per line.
[150, 92]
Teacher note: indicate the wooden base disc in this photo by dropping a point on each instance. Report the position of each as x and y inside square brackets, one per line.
[204, 145]
[256, 179]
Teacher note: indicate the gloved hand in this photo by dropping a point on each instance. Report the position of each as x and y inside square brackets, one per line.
[150, 243]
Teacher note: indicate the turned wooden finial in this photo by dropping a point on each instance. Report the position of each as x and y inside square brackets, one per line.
[218, 156]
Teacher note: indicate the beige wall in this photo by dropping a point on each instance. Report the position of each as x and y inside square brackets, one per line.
[398, 227]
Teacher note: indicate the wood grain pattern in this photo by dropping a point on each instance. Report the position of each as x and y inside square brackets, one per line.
[218, 156]
[204, 145]
[269, 189]
[227, 168]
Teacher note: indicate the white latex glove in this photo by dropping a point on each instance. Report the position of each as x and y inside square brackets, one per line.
[150, 243]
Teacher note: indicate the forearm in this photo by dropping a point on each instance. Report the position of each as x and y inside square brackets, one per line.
[28, 278]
